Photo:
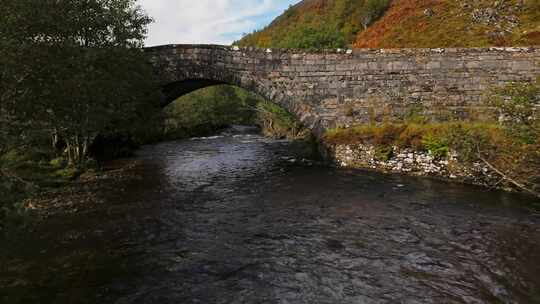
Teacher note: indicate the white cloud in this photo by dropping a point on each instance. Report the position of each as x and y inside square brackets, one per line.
[207, 21]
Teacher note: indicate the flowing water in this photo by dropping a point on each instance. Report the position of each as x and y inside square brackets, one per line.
[239, 219]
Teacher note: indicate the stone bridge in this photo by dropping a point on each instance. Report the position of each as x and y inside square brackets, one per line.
[345, 87]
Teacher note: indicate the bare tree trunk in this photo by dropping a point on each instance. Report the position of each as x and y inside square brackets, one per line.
[55, 139]
[69, 149]
[77, 148]
[80, 150]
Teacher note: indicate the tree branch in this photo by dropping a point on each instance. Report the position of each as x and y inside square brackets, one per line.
[506, 177]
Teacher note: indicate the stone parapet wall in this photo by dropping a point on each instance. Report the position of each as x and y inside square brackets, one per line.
[346, 87]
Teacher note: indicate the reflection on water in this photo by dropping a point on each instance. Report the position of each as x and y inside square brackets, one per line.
[238, 219]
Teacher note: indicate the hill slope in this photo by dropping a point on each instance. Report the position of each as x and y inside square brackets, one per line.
[318, 24]
[450, 23]
[402, 23]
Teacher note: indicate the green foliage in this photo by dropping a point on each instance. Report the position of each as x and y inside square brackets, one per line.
[209, 109]
[83, 76]
[68, 173]
[437, 146]
[24, 172]
[518, 107]
[72, 73]
[58, 162]
[276, 122]
[305, 37]
[206, 110]
[13, 156]
[384, 153]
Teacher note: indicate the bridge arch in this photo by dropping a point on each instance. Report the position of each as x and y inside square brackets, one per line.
[345, 87]
[173, 90]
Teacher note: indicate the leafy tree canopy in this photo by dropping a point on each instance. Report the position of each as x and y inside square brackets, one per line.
[73, 68]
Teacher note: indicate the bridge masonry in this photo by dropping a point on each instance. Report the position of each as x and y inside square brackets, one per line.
[326, 89]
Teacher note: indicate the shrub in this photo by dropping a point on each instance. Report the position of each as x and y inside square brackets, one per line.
[68, 173]
[384, 153]
[436, 145]
[277, 122]
[311, 38]
[58, 162]
[518, 107]
[516, 103]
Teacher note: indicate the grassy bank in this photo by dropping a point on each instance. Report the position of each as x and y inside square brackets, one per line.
[508, 144]
[515, 158]
[24, 172]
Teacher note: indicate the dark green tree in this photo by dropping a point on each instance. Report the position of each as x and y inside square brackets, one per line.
[306, 37]
[73, 68]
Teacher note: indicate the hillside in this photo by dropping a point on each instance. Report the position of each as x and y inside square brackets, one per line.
[318, 24]
[402, 23]
[445, 23]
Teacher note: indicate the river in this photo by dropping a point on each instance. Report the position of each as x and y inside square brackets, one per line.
[239, 218]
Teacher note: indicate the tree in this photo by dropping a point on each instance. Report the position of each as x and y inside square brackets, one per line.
[373, 9]
[306, 37]
[517, 105]
[76, 71]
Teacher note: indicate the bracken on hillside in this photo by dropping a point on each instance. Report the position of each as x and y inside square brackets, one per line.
[451, 23]
[402, 23]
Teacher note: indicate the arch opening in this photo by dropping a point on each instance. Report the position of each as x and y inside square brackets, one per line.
[173, 91]
[200, 107]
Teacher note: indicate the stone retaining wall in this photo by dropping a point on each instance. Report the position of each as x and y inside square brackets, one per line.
[417, 163]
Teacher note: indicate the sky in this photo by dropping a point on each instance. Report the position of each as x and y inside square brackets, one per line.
[208, 21]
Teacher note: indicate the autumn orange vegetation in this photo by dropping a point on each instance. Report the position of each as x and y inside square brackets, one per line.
[406, 23]
[450, 23]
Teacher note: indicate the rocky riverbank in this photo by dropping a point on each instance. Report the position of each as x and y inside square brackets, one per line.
[416, 163]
